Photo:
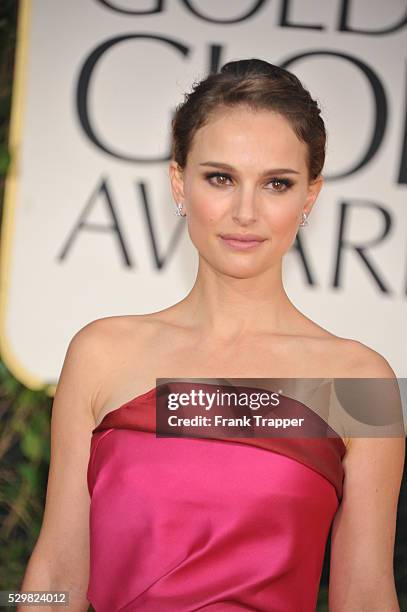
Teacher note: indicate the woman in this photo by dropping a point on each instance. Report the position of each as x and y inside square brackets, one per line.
[187, 524]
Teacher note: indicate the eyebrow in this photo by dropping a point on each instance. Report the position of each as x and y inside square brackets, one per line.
[266, 172]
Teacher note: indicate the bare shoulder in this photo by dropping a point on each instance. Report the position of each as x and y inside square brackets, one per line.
[88, 349]
[106, 331]
[93, 350]
[349, 358]
[101, 346]
[362, 361]
[105, 328]
[345, 357]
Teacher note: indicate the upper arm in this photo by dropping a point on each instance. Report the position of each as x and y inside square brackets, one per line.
[363, 531]
[62, 548]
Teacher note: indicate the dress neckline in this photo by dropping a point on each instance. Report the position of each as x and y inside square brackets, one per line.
[152, 391]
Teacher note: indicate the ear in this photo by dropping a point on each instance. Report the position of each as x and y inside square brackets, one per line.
[177, 181]
[314, 187]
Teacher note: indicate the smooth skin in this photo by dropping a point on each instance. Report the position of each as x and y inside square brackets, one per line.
[237, 321]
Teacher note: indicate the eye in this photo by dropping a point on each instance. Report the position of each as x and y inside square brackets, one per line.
[282, 184]
[219, 179]
[217, 175]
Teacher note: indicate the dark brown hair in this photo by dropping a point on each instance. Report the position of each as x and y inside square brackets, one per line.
[260, 86]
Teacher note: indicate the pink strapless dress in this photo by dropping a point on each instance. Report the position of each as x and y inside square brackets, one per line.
[188, 524]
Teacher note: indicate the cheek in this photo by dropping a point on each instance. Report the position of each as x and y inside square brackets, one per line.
[203, 216]
[282, 214]
[282, 222]
[204, 208]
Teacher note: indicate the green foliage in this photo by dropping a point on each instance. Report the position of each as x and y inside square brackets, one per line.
[322, 603]
[4, 160]
[8, 21]
[24, 463]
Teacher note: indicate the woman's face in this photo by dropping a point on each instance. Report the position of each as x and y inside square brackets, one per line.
[246, 173]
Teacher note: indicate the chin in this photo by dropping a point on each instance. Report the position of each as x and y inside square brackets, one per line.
[238, 271]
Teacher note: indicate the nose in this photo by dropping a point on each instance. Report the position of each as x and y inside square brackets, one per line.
[244, 209]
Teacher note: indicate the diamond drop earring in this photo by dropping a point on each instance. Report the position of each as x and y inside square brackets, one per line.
[178, 210]
[304, 221]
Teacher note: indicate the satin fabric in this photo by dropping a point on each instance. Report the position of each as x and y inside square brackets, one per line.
[188, 524]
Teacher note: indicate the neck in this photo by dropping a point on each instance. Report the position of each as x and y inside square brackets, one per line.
[231, 307]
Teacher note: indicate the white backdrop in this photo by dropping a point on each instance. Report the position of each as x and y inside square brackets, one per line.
[89, 229]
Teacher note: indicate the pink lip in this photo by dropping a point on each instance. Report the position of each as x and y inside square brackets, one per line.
[242, 244]
[245, 237]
